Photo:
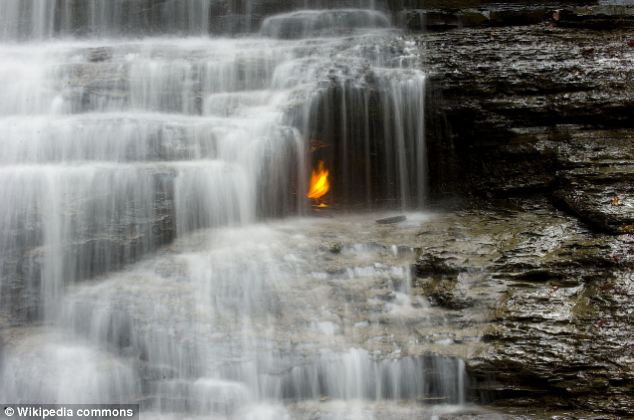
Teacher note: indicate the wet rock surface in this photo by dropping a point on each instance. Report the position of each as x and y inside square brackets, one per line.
[595, 181]
[537, 108]
[540, 110]
[438, 15]
[552, 302]
[600, 17]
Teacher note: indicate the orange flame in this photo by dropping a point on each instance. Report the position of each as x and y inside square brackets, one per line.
[319, 183]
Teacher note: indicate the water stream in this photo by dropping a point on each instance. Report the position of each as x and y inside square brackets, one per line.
[157, 246]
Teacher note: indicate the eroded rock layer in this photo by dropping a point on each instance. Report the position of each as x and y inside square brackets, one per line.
[540, 107]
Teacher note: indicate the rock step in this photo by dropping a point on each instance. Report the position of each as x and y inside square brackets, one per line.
[561, 15]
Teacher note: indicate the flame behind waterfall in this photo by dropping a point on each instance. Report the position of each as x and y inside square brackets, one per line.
[319, 182]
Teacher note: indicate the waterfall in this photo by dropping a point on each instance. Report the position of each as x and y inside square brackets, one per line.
[149, 171]
[43, 19]
[374, 127]
[105, 158]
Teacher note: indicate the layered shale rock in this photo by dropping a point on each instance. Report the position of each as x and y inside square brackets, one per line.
[537, 108]
[551, 301]
[540, 110]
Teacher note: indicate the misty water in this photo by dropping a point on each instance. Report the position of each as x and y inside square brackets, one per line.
[157, 244]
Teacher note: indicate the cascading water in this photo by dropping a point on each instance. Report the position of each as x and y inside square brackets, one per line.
[43, 19]
[136, 173]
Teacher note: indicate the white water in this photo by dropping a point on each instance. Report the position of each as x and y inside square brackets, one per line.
[112, 148]
[43, 19]
[245, 321]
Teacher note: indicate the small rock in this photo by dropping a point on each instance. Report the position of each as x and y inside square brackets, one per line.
[98, 55]
[430, 265]
[587, 52]
[391, 220]
[336, 248]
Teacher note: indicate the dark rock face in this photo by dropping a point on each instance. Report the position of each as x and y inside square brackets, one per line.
[540, 110]
[563, 332]
[422, 19]
[596, 180]
[551, 299]
[597, 17]
[435, 15]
